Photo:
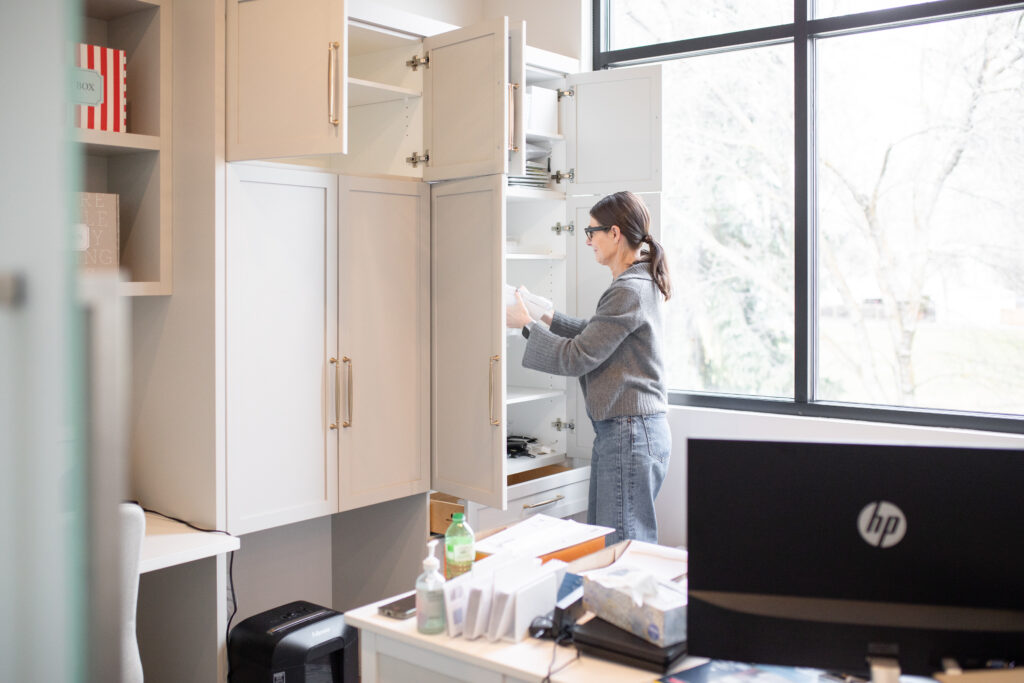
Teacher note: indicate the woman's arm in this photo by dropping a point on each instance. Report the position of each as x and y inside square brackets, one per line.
[618, 315]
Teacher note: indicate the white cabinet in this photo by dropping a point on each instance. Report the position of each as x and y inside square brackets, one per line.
[285, 78]
[384, 333]
[464, 106]
[281, 330]
[327, 314]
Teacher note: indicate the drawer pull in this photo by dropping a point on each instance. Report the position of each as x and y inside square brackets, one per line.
[549, 501]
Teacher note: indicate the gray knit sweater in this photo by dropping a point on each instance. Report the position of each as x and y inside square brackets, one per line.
[616, 354]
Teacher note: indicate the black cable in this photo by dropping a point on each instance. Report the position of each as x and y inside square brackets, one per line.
[561, 638]
[234, 609]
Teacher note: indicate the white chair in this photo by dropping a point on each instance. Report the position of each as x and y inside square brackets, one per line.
[133, 530]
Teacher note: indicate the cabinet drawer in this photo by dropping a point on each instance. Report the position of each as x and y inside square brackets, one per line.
[555, 490]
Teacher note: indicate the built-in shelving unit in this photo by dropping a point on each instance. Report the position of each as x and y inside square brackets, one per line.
[135, 165]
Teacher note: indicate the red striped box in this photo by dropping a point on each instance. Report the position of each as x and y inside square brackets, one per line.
[112, 65]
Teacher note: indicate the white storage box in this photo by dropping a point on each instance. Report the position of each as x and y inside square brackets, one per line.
[541, 111]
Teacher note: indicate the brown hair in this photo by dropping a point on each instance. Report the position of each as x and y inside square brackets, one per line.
[629, 212]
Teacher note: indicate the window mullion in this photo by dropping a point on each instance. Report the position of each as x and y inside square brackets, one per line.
[804, 315]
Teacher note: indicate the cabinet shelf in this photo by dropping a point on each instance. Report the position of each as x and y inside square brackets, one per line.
[538, 136]
[535, 257]
[362, 92]
[514, 395]
[524, 464]
[103, 143]
[520, 193]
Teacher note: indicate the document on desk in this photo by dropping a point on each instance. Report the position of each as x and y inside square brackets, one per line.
[539, 535]
[661, 562]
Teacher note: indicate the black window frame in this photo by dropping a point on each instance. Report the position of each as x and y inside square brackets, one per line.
[801, 33]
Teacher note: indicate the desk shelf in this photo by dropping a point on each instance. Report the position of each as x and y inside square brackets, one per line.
[168, 543]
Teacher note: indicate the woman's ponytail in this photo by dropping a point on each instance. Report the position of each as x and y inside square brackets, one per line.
[629, 212]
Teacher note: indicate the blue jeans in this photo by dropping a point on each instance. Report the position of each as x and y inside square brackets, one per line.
[628, 465]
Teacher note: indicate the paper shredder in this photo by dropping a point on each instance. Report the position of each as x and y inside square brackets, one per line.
[295, 643]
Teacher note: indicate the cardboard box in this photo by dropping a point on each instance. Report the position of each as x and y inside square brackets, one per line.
[442, 507]
[660, 620]
[97, 236]
[111, 65]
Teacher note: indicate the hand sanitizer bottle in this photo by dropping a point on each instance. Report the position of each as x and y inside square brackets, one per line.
[430, 594]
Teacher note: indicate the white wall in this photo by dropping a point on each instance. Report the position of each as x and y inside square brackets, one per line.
[561, 26]
[723, 424]
[457, 12]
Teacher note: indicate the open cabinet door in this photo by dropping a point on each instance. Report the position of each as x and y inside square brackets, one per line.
[588, 280]
[466, 101]
[468, 345]
[612, 126]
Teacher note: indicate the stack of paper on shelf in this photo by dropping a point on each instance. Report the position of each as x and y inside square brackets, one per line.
[639, 587]
[544, 537]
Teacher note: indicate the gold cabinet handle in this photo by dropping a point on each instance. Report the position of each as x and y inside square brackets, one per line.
[490, 390]
[348, 361]
[549, 501]
[334, 393]
[333, 52]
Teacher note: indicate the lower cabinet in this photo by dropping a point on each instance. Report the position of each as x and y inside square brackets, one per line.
[326, 341]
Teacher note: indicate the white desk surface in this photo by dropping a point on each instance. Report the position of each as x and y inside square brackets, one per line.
[527, 660]
[168, 543]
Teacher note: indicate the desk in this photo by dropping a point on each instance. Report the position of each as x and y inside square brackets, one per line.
[392, 650]
[168, 543]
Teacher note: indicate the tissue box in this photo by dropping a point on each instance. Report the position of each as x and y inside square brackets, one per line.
[661, 619]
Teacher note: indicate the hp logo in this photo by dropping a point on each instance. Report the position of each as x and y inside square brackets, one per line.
[882, 524]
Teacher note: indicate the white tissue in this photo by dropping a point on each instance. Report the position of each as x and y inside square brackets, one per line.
[535, 304]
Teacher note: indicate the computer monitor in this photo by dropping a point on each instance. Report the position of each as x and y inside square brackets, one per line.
[829, 555]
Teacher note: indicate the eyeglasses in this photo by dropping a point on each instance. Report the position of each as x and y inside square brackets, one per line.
[590, 230]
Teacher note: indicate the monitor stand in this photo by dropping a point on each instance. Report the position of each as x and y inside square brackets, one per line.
[884, 670]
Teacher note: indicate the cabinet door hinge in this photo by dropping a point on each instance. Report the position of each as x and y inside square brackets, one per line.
[568, 227]
[418, 158]
[565, 93]
[559, 176]
[559, 425]
[416, 62]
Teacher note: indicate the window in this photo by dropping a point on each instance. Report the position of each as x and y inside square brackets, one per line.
[843, 203]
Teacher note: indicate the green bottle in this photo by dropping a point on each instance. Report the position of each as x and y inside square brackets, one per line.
[459, 547]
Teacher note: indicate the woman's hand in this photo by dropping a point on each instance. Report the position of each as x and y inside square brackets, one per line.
[516, 315]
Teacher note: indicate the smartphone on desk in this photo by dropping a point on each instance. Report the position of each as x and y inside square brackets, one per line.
[402, 608]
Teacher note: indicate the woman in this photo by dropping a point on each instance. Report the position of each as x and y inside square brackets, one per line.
[617, 356]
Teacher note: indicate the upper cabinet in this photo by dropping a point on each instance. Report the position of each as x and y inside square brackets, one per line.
[133, 163]
[286, 78]
[466, 102]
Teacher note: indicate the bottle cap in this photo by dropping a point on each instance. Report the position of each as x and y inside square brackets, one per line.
[458, 516]
[430, 562]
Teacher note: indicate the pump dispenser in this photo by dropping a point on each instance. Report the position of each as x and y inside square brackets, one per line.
[430, 594]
